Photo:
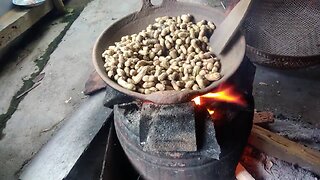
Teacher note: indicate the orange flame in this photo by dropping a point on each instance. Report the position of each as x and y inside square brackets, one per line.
[228, 94]
[210, 111]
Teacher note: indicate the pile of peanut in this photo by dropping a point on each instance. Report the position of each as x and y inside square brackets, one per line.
[171, 54]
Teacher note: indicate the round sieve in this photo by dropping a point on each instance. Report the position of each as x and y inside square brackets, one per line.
[283, 33]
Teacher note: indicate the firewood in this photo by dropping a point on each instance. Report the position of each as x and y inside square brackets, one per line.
[284, 149]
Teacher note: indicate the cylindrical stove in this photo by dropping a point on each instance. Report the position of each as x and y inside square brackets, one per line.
[187, 140]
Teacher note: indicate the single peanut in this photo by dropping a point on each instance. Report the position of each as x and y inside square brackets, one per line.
[160, 87]
[175, 86]
[195, 87]
[189, 84]
[162, 76]
[186, 18]
[140, 75]
[148, 84]
[213, 76]
[125, 84]
[200, 81]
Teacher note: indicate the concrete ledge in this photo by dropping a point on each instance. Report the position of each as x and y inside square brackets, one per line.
[18, 20]
[56, 159]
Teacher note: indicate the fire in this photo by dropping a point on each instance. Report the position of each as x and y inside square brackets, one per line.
[210, 111]
[226, 94]
[197, 100]
[223, 94]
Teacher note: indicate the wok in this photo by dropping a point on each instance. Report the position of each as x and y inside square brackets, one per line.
[230, 58]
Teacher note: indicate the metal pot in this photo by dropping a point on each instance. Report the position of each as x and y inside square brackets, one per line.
[231, 57]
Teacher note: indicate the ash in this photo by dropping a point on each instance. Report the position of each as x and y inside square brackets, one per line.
[296, 130]
[264, 167]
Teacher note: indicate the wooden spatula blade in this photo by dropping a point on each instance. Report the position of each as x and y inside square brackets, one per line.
[226, 30]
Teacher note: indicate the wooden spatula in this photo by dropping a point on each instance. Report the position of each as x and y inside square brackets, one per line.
[227, 29]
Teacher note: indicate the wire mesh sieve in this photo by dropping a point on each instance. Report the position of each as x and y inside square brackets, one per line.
[283, 33]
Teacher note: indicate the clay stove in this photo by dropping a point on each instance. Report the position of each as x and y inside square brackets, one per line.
[203, 139]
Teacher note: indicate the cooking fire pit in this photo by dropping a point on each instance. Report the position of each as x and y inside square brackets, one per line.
[202, 139]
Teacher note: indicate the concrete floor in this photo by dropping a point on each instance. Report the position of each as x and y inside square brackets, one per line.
[58, 46]
[289, 94]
